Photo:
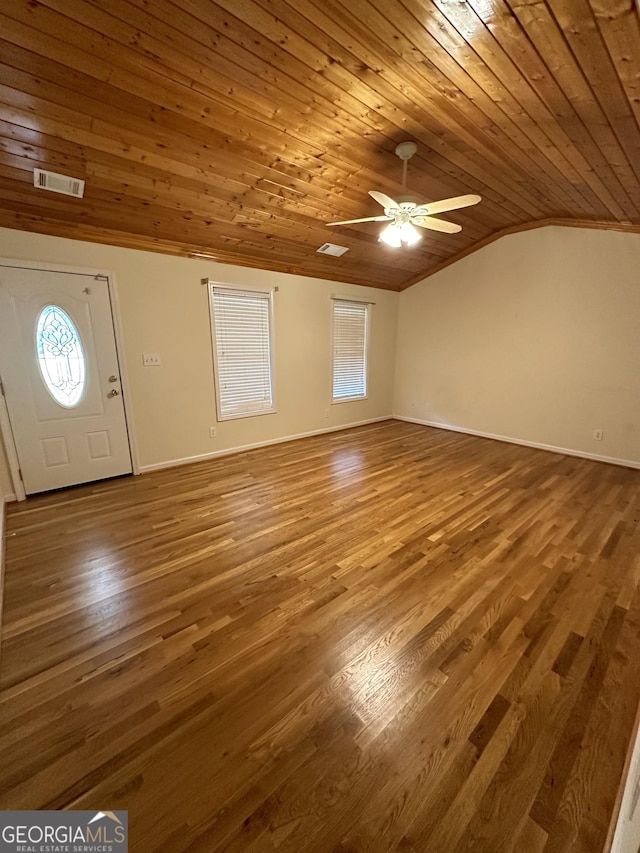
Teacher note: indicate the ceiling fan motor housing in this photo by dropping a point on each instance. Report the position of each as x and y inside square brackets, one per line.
[402, 212]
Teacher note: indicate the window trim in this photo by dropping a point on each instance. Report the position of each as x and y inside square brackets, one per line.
[367, 328]
[212, 286]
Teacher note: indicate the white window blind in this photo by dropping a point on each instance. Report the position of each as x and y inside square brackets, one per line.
[350, 328]
[241, 326]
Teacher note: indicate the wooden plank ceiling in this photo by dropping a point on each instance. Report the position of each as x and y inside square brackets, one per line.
[238, 128]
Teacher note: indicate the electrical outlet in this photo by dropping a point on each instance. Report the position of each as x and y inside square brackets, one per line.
[212, 432]
[326, 413]
[597, 434]
[151, 359]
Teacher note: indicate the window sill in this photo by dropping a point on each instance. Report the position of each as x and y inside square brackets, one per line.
[348, 400]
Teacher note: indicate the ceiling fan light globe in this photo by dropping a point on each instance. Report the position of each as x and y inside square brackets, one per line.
[391, 236]
[408, 234]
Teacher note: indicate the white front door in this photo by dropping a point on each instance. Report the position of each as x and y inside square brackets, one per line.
[61, 379]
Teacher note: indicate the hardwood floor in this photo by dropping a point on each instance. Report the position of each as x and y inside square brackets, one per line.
[389, 638]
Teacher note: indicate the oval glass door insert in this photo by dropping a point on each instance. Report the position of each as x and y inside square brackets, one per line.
[60, 356]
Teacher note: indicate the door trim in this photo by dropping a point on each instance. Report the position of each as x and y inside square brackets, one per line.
[5, 422]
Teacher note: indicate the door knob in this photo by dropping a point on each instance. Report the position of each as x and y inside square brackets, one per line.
[113, 379]
[113, 393]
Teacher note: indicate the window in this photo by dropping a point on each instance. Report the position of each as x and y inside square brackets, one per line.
[241, 325]
[350, 332]
[60, 356]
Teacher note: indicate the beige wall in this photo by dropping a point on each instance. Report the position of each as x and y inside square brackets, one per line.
[164, 309]
[535, 337]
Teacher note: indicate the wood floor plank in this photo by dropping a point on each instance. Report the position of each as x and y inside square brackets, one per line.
[387, 638]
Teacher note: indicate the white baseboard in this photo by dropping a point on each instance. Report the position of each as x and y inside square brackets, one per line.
[186, 460]
[566, 451]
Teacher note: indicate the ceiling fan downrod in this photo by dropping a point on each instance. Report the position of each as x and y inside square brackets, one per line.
[405, 151]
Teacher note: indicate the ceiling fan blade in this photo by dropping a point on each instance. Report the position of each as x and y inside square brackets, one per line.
[449, 204]
[434, 224]
[384, 200]
[366, 219]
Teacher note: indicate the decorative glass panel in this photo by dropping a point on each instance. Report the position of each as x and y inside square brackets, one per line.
[60, 356]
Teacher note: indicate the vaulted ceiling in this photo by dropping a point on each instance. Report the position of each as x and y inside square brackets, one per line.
[237, 129]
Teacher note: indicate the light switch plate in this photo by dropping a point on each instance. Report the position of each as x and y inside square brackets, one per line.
[151, 359]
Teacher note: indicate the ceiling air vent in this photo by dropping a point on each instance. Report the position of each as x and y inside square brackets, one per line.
[332, 249]
[58, 183]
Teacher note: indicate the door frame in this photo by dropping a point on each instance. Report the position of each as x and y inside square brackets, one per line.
[5, 422]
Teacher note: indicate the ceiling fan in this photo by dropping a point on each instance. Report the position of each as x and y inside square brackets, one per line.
[405, 214]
